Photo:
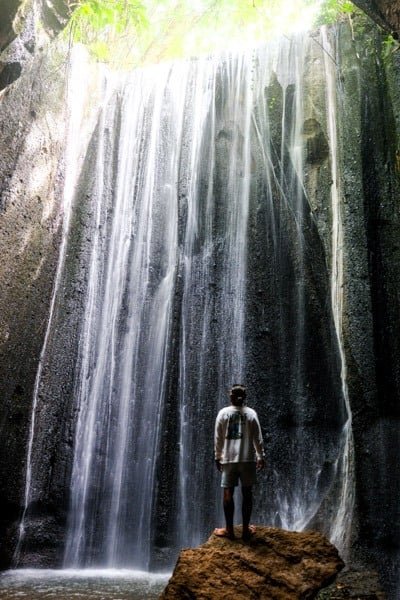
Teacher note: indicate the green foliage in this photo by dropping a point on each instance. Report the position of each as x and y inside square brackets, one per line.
[390, 45]
[131, 32]
[99, 14]
[332, 10]
[193, 27]
[96, 22]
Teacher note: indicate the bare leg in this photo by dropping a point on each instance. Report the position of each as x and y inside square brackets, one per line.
[229, 509]
[247, 507]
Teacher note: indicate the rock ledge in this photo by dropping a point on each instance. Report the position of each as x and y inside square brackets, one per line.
[275, 564]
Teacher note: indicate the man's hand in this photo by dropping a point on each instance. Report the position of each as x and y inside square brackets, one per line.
[218, 464]
[260, 464]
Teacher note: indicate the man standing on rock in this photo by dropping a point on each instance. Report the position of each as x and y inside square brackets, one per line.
[239, 454]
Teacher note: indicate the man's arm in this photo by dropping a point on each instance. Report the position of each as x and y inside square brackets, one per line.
[218, 441]
[258, 443]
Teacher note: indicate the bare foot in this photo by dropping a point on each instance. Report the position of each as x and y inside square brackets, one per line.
[248, 532]
[222, 532]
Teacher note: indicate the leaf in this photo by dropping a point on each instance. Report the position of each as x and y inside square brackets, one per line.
[100, 50]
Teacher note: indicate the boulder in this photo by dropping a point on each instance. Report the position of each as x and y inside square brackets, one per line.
[274, 564]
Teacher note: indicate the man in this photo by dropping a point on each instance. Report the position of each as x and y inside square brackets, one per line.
[239, 454]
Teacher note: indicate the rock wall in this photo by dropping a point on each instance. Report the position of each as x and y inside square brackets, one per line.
[384, 12]
[35, 119]
[368, 96]
[25, 27]
[368, 93]
[32, 126]
[369, 134]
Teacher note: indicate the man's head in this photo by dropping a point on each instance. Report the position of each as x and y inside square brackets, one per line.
[237, 394]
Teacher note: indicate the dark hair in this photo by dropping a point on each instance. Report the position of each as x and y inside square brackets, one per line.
[237, 394]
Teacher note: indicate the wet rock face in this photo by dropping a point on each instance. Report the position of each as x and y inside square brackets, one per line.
[17, 39]
[18, 34]
[274, 564]
[33, 131]
[317, 149]
[384, 12]
[369, 133]
[354, 583]
[55, 15]
[31, 179]
[8, 10]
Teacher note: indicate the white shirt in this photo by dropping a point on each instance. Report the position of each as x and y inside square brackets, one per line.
[238, 436]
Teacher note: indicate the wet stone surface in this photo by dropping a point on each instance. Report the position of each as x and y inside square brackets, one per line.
[354, 583]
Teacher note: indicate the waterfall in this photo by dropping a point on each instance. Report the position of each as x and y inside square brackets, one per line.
[127, 326]
[74, 109]
[203, 267]
[213, 300]
[341, 525]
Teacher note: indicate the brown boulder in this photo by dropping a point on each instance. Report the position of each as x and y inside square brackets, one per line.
[275, 564]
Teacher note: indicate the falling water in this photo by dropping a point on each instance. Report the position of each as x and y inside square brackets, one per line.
[213, 262]
[127, 328]
[205, 268]
[340, 530]
[75, 99]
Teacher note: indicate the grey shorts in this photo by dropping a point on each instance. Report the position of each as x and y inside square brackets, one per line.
[232, 472]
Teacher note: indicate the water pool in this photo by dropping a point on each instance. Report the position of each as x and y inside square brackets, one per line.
[85, 584]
